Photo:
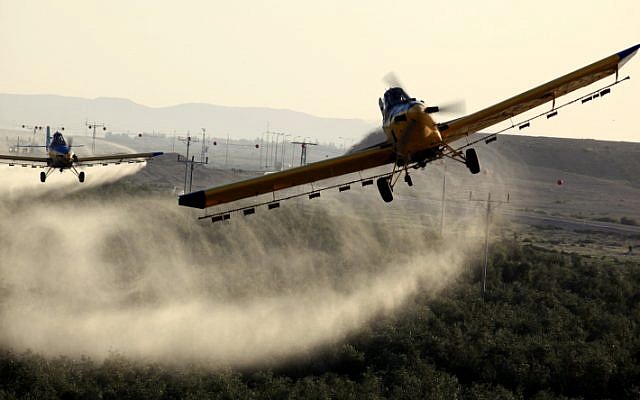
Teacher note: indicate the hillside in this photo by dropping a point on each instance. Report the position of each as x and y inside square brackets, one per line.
[596, 158]
[121, 115]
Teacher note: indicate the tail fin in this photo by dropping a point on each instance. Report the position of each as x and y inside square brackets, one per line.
[48, 138]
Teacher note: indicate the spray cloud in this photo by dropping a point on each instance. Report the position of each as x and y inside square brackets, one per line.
[140, 276]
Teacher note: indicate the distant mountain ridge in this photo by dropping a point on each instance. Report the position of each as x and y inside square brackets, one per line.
[122, 115]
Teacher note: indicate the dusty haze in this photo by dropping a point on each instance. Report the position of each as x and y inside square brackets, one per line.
[86, 273]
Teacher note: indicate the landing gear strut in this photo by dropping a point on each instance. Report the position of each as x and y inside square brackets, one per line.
[80, 175]
[469, 159]
[386, 183]
[385, 186]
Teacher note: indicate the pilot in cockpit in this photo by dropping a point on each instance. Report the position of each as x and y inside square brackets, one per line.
[395, 96]
[58, 140]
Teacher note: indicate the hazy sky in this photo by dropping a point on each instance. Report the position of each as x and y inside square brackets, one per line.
[324, 57]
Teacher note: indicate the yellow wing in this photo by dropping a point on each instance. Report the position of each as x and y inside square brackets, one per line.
[293, 177]
[384, 154]
[117, 157]
[472, 123]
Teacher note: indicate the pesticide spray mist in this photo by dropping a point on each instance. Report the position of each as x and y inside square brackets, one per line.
[92, 274]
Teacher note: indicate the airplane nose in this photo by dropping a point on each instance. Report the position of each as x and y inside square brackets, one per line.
[415, 111]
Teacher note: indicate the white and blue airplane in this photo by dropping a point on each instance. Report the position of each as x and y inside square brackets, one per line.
[61, 157]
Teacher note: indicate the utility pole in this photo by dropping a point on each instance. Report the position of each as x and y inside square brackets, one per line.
[293, 148]
[303, 151]
[189, 164]
[275, 153]
[271, 153]
[486, 245]
[93, 125]
[284, 135]
[486, 234]
[261, 147]
[275, 157]
[33, 137]
[226, 156]
[267, 155]
[443, 207]
[271, 145]
[188, 140]
[204, 145]
[266, 150]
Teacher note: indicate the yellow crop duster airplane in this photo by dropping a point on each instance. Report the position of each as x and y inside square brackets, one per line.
[61, 157]
[413, 138]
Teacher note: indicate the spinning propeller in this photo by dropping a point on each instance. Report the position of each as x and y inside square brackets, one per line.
[457, 107]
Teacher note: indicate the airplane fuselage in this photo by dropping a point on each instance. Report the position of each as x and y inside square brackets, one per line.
[61, 156]
[411, 130]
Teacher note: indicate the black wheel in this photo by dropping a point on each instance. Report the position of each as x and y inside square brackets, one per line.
[472, 161]
[81, 177]
[385, 189]
[43, 176]
[408, 181]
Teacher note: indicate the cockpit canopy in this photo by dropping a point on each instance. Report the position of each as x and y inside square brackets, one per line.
[395, 96]
[58, 140]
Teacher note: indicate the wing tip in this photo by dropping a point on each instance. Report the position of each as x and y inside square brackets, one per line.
[194, 199]
[628, 53]
[157, 153]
